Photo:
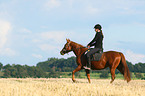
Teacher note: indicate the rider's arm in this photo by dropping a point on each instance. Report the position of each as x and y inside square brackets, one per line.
[92, 43]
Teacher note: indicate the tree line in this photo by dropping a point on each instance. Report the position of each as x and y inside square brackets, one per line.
[21, 71]
[53, 68]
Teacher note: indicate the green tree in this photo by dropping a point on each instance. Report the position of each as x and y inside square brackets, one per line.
[7, 74]
[138, 75]
[104, 74]
[22, 71]
[54, 74]
[1, 65]
[10, 72]
[130, 66]
[39, 73]
[6, 66]
[64, 65]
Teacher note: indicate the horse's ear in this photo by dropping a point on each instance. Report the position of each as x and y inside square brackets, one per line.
[67, 40]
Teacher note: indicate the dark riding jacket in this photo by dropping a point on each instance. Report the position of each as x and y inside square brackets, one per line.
[97, 41]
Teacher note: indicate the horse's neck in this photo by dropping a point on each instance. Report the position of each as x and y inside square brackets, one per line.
[78, 49]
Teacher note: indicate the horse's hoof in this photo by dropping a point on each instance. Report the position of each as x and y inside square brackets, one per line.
[111, 81]
[128, 81]
[74, 81]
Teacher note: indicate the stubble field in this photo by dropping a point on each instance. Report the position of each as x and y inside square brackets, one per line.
[65, 87]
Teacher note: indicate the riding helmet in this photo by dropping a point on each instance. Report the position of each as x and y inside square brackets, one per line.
[98, 26]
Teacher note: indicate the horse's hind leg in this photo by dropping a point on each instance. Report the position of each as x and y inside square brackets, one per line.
[112, 74]
[113, 67]
[121, 69]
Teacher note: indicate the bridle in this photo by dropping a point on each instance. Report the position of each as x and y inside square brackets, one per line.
[71, 48]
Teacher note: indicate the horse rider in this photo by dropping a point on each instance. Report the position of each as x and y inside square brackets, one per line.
[97, 42]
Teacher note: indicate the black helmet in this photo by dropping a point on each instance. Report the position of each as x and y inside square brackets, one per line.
[98, 26]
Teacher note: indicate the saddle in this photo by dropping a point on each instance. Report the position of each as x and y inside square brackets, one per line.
[96, 56]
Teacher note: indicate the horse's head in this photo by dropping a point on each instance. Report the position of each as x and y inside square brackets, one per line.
[67, 48]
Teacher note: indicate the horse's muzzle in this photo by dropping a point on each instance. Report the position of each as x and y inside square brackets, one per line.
[62, 53]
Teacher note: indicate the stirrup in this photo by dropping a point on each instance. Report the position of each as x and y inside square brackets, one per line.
[87, 68]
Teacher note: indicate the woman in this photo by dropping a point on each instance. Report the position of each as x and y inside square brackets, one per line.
[97, 42]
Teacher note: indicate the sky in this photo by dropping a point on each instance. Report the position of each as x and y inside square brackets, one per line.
[32, 31]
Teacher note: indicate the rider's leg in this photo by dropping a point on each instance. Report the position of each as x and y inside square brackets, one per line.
[88, 65]
[91, 52]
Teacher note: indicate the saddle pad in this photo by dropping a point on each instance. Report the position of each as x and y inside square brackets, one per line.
[96, 57]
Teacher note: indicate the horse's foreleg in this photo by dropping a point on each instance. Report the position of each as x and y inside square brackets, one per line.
[76, 70]
[88, 75]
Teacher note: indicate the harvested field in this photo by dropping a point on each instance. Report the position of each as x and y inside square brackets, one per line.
[65, 87]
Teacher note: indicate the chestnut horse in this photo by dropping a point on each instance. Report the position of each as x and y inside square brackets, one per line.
[111, 59]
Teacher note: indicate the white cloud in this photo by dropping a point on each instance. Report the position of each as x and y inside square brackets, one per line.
[37, 56]
[5, 27]
[140, 24]
[54, 36]
[92, 10]
[47, 47]
[7, 52]
[24, 30]
[51, 50]
[115, 7]
[53, 41]
[52, 4]
[134, 57]
[67, 8]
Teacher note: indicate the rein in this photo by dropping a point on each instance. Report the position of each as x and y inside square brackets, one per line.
[78, 48]
[73, 49]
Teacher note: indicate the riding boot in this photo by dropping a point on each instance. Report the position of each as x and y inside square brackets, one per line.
[89, 62]
[88, 65]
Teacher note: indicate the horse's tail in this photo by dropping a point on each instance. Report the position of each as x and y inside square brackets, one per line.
[125, 69]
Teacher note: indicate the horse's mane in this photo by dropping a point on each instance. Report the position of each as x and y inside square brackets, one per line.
[77, 44]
